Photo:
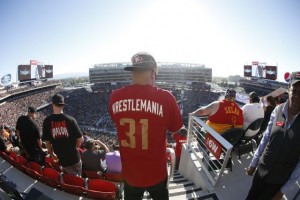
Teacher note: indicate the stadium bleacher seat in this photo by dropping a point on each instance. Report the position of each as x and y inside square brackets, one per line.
[13, 155]
[21, 163]
[91, 174]
[116, 177]
[73, 184]
[34, 170]
[52, 177]
[49, 162]
[101, 189]
[6, 157]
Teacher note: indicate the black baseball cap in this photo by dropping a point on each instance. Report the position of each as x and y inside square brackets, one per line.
[253, 95]
[295, 77]
[142, 60]
[58, 99]
[230, 93]
[183, 131]
[32, 109]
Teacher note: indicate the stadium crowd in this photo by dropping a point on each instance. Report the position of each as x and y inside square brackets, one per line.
[90, 108]
[25, 87]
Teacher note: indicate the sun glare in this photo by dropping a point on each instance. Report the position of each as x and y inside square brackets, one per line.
[173, 29]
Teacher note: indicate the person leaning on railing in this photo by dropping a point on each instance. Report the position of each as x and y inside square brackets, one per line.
[223, 115]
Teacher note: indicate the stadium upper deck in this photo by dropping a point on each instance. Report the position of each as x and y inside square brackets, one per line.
[167, 72]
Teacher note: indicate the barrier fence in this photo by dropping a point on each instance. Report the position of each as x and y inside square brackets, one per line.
[212, 151]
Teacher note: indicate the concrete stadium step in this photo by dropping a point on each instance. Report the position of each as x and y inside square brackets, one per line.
[181, 188]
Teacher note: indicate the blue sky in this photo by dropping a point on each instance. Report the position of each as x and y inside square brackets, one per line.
[73, 35]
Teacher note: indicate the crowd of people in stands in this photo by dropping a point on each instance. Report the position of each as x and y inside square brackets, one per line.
[90, 108]
[262, 88]
[12, 109]
[25, 87]
[93, 112]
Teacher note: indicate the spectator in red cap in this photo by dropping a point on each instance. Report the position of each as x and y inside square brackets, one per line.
[143, 114]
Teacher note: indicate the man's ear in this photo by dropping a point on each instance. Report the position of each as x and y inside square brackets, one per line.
[154, 74]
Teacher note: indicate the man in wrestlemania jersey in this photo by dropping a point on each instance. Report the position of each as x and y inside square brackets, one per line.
[224, 114]
[143, 114]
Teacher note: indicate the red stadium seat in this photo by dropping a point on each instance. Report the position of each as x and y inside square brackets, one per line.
[13, 155]
[35, 171]
[32, 173]
[36, 167]
[21, 162]
[13, 159]
[73, 184]
[101, 189]
[116, 177]
[51, 177]
[91, 174]
[49, 162]
[5, 156]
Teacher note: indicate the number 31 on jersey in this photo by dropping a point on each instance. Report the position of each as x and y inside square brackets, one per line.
[131, 133]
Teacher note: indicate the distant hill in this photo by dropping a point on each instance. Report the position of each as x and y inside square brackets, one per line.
[71, 75]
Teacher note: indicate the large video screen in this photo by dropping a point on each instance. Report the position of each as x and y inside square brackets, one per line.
[271, 72]
[24, 72]
[247, 70]
[48, 71]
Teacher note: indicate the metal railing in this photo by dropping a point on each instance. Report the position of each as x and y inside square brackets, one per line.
[212, 151]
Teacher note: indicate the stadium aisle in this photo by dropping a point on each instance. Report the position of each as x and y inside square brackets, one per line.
[181, 188]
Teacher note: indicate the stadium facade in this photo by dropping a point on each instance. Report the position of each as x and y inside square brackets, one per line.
[167, 73]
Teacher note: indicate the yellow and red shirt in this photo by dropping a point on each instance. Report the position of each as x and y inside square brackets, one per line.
[229, 115]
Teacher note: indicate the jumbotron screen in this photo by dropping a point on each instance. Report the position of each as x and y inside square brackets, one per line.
[267, 71]
[247, 70]
[48, 71]
[271, 72]
[24, 72]
[31, 72]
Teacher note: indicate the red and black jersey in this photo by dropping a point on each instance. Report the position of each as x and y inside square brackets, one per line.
[142, 115]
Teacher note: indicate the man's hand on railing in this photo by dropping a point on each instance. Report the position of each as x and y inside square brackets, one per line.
[250, 170]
